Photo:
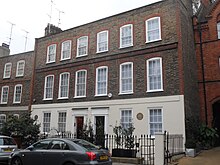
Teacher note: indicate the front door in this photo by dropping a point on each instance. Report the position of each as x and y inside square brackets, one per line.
[216, 119]
[79, 127]
[100, 130]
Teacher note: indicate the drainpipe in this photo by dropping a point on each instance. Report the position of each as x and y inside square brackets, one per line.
[203, 74]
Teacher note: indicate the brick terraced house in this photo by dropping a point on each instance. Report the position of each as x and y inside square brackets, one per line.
[15, 81]
[207, 39]
[137, 66]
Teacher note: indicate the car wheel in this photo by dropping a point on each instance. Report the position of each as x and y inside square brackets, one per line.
[16, 161]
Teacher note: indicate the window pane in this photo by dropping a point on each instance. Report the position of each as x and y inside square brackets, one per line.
[82, 46]
[126, 78]
[126, 118]
[218, 28]
[46, 122]
[126, 36]
[51, 54]
[154, 74]
[102, 41]
[153, 29]
[155, 121]
[64, 85]
[62, 122]
[17, 94]
[49, 87]
[66, 50]
[81, 83]
[101, 81]
[7, 71]
[4, 96]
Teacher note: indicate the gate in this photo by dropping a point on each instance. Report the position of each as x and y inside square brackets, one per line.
[173, 146]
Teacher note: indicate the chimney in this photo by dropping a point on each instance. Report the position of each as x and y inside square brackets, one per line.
[51, 29]
[4, 50]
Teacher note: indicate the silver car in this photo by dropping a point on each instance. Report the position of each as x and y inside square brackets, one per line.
[58, 151]
[7, 144]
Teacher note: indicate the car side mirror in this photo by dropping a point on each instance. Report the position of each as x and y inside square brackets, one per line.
[31, 148]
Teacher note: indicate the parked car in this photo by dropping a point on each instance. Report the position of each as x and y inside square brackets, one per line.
[59, 151]
[7, 144]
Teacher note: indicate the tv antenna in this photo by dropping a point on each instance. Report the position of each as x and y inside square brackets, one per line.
[51, 12]
[25, 45]
[59, 20]
[10, 37]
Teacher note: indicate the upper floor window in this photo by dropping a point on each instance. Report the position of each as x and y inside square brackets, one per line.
[153, 29]
[156, 122]
[126, 118]
[102, 41]
[48, 87]
[66, 50]
[17, 93]
[62, 122]
[20, 68]
[126, 78]
[154, 75]
[51, 53]
[2, 120]
[218, 29]
[101, 81]
[46, 122]
[64, 86]
[80, 85]
[126, 36]
[82, 46]
[7, 70]
[4, 95]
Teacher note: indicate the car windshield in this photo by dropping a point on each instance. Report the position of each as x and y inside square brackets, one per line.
[7, 141]
[87, 145]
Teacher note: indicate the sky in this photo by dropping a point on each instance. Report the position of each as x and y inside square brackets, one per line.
[21, 21]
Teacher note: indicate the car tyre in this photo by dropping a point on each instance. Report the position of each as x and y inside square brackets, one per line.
[16, 161]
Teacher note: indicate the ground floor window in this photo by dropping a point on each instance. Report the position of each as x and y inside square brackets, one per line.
[155, 120]
[46, 122]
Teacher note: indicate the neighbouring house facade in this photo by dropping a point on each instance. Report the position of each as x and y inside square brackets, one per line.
[207, 39]
[15, 81]
[137, 66]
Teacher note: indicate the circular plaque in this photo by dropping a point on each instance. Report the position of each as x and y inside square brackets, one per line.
[140, 116]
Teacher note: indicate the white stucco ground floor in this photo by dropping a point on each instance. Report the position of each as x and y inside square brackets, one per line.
[148, 115]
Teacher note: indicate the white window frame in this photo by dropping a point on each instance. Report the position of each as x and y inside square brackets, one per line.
[65, 85]
[218, 29]
[48, 87]
[66, 50]
[81, 44]
[128, 120]
[149, 89]
[2, 120]
[122, 79]
[46, 122]
[99, 43]
[158, 28]
[16, 115]
[17, 94]
[82, 84]
[51, 53]
[155, 122]
[62, 121]
[122, 36]
[7, 70]
[20, 68]
[2, 96]
[102, 81]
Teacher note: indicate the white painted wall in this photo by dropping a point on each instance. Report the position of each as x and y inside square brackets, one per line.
[172, 109]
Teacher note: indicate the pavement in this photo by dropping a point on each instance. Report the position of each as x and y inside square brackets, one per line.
[205, 157]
